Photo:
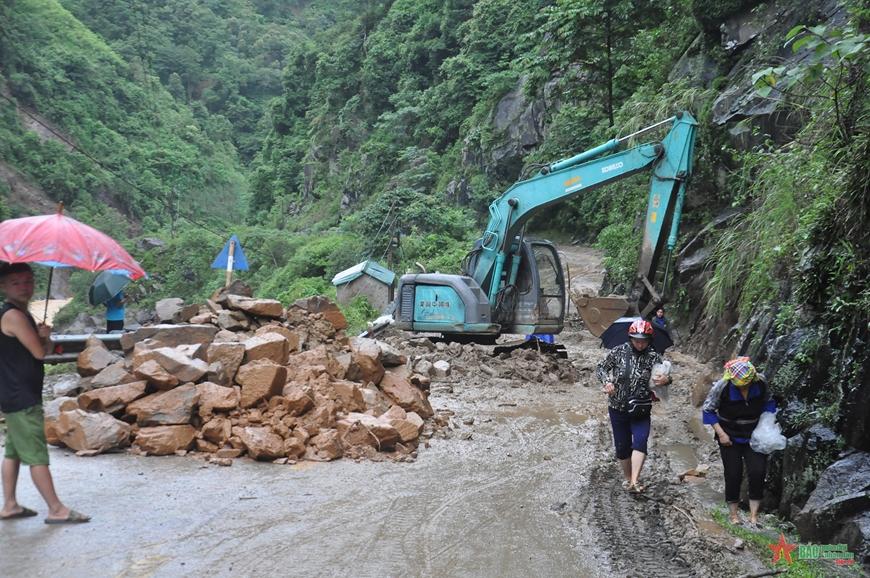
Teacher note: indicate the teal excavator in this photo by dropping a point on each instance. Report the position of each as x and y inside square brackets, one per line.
[515, 284]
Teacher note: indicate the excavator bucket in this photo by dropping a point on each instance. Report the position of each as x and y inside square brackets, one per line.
[599, 313]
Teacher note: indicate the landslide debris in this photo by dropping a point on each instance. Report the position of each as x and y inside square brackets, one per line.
[243, 376]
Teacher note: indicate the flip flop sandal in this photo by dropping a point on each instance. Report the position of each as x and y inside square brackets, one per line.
[626, 484]
[24, 513]
[73, 518]
[636, 488]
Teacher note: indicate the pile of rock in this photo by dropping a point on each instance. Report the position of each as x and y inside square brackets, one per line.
[245, 376]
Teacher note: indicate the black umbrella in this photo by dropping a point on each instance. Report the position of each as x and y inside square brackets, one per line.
[106, 286]
[617, 334]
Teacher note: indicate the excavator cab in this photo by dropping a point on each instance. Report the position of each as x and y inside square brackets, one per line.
[535, 302]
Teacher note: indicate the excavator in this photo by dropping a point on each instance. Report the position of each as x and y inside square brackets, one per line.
[514, 284]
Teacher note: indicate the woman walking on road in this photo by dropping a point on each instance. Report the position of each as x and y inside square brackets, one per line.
[625, 374]
[733, 407]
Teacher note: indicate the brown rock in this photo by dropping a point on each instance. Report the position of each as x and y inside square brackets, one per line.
[376, 403]
[271, 346]
[51, 412]
[294, 448]
[170, 335]
[236, 287]
[217, 430]
[298, 398]
[194, 350]
[94, 341]
[217, 397]
[319, 418]
[256, 307]
[228, 453]
[322, 305]
[226, 462]
[230, 356]
[366, 366]
[405, 395]
[260, 380]
[232, 320]
[187, 313]
[173, 407]
[695, 480]
[153, 373]
[94, 359]
[165, 439]
[80, 430]
[213, 307]
[319, 356]
[395, 412]
[415, 419]
[361, 429]
[112, 399]
[174, 362]
[224, 336]
[115, 374]
[347, 395]
[327, 445]
[390, 356]
[292, 337]
[168, 310]
[407, 430]
[201, 318]
[261, 442]
[206, 446]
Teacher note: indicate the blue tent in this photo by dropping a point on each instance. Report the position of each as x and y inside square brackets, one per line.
[239, 261]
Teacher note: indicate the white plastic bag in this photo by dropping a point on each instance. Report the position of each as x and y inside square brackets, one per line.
[663, 368]
[767, 436]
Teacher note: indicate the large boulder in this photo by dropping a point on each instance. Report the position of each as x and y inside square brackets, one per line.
[366, 365]
[261, 442]
[298, 398]
[174, 362]
[153, 373]
[224, 360]
[405, 395]
[170, 335]
[217, 430]
[358, 429]
[805, 457]
[292, 337]
[327, 445]
[173, 407]
[328, 309]
[256, 307]
[80, 430]
[217, 397]
[842, 491]
[233, 320]
[271, 346]
[51, 413]
[94, 359]
[112, 400]
[260, 380]
[115, 374]
[165, 439]
[168, 310]
[390, 356]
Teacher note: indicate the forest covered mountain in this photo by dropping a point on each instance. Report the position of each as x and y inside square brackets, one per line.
[331, 131]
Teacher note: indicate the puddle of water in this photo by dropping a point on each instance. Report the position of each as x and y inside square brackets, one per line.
[569, 417]
[704, 432]
[682, 458]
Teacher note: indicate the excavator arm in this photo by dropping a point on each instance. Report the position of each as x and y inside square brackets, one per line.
[514, 284]
[671, 164]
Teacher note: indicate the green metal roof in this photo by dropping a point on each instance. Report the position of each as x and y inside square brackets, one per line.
[370, 268]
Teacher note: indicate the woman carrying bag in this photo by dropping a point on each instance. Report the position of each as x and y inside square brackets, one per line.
[733, 408]
[625, 374]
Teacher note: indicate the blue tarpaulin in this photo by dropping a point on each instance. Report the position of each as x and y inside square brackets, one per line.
[239, 261]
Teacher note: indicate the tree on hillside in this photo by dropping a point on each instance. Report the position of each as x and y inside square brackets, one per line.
[588, 43]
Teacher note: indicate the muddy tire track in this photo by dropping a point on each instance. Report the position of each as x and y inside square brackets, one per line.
[630, 528]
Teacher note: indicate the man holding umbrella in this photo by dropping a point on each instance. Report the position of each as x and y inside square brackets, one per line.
[23, 346]
[108, 289]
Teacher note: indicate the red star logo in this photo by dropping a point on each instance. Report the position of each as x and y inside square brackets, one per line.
[781, 549]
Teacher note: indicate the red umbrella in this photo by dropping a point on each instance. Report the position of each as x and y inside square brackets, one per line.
[60, 241]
